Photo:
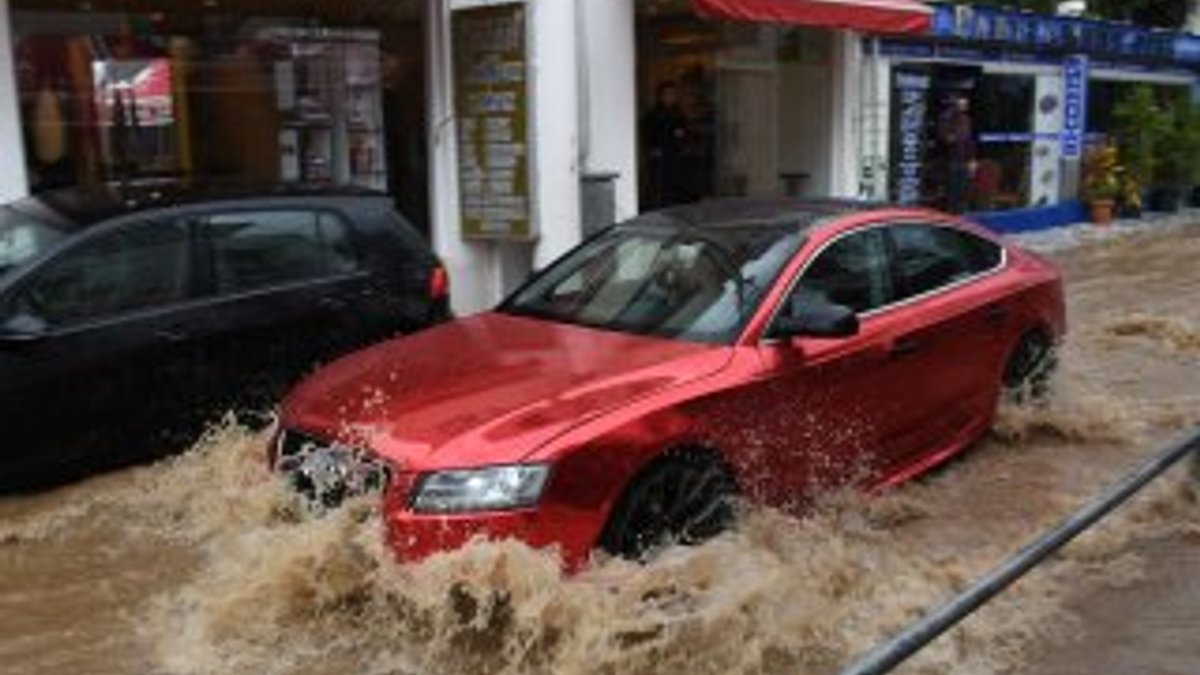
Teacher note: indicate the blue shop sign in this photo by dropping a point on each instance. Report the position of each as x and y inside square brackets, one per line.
[1187, 49]
[1023, 29]
[1075, 82]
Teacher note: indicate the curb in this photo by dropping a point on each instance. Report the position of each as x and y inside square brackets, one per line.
[1077, 234]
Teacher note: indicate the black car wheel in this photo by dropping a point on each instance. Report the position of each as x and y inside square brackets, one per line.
[683, 498]
[1027, 373]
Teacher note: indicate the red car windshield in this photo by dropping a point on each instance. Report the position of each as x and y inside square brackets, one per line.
[657, 277]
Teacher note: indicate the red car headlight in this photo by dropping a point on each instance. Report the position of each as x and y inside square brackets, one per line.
[493, 488]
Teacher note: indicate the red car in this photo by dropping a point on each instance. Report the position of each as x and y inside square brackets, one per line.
[622, 397]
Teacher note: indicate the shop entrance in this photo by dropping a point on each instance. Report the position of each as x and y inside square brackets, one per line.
[965, 139]
[730, 109]
[250, 92]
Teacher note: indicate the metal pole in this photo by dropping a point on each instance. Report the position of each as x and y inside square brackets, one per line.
[894, 652]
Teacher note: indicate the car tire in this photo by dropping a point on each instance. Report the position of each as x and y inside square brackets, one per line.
[1029, 367]
[681, 498]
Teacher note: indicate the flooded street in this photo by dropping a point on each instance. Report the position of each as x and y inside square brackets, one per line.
[201, 564]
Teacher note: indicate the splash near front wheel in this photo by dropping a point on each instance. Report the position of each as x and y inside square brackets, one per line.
[684, 498]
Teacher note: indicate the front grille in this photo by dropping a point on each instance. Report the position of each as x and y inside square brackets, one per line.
[327, 473]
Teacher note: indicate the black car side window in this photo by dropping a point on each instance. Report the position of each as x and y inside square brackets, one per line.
[852, 271]
[256, 249]
[136, 267]
[929, 257]
[339, 246]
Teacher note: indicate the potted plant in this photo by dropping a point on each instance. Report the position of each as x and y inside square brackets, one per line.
[1101, 182]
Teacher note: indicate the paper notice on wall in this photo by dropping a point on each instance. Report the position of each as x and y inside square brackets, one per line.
[491, 109]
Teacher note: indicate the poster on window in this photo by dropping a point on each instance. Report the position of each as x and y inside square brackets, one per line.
[491, 109]
[910, 91]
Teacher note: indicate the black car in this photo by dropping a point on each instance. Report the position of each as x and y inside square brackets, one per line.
[126, 314]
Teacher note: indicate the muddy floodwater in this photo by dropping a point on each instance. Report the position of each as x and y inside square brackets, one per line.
[200, 565]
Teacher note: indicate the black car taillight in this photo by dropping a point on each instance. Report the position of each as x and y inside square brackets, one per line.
[439, 283]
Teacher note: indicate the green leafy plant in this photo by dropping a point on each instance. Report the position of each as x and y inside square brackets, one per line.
[1140, 128]
[1179, 147]
[1101, 174]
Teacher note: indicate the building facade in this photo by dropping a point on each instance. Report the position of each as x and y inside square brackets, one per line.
[1039, 90]
[507, 129]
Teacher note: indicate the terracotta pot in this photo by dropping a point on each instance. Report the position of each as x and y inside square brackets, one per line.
[1102, 211]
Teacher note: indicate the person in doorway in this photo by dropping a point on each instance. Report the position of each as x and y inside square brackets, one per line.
[664, 132]
[957, 137]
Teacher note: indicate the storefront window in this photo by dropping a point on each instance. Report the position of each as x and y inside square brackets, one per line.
[963, 139]
[135, 115]
[730, 109]
[1003, 108]
[1103, 98]
[237, 91]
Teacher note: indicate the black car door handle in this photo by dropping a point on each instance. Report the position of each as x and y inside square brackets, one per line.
[905, 346]
[171, 335]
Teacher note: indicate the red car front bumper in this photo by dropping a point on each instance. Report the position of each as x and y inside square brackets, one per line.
[569, 533]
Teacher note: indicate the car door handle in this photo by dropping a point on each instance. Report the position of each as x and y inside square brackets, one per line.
[171, 335]
[905, 346]
[995, 315]
[335, 304]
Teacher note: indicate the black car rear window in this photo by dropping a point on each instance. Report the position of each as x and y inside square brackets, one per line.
[256, 249]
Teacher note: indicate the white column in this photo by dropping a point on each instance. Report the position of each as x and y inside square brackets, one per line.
[608, 80]
[481, 272]
[474, 276]
[846, 114]
[875, 128]
[1045, 183]
[555, 75]
[14, 182]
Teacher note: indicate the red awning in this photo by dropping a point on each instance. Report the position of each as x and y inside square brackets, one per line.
[868, 16]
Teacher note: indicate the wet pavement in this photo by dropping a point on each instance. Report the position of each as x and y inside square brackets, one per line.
[201, 564]
[1148, 626]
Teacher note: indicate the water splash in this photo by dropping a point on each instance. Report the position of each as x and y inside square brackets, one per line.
[1178, 334]
[279, 592]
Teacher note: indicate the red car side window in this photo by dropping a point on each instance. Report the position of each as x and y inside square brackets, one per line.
[852, 272]
[928, 257]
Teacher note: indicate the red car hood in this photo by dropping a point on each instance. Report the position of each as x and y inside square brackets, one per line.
[488, 389]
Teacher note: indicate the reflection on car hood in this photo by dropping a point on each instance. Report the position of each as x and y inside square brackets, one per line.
[488, 389]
